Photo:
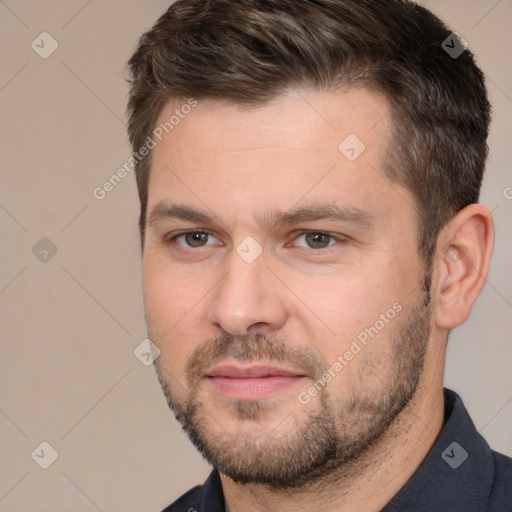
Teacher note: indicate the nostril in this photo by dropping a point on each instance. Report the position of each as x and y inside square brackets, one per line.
[257, 325]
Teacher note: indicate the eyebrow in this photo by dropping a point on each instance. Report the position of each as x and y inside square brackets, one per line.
[347, 214]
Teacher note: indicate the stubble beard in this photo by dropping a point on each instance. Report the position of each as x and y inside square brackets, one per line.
[327, 438]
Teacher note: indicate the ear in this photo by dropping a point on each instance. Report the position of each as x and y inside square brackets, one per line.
[463, 255]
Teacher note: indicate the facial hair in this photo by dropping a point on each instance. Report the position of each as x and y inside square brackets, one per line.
[327, 437]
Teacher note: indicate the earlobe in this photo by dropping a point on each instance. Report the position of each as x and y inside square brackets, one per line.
[463, 256]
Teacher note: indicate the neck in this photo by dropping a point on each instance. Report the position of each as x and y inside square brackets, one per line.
[370, 482]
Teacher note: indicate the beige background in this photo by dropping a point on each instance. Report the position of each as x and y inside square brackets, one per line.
[68, 375]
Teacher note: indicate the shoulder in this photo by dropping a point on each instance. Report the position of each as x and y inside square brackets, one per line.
[500, 497]
[188, 502]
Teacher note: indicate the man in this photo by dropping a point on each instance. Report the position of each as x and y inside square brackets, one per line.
[309, 175]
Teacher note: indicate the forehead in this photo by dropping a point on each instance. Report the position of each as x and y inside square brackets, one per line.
[297, 119]
[307, 146]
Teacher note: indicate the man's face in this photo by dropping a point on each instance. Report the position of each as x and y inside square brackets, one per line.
[289, 340]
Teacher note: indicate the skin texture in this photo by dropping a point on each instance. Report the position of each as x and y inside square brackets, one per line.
[304, 300]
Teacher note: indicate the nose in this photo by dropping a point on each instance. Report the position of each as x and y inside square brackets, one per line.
[248, 299]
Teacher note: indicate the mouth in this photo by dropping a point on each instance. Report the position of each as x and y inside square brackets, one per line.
[252, 382]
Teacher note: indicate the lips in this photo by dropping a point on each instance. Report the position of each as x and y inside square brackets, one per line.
[251, 382]
[255, 371]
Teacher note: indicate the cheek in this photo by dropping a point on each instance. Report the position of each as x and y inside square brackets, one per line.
[170, 304]
[168, 296]
[347, 306]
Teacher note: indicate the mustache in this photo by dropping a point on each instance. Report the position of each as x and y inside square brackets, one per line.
[258, 347]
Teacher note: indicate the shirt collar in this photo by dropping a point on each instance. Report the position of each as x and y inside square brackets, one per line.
[212, 499]
[457, 472]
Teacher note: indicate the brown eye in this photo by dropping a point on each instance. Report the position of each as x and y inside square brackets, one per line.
[196, 239]
[193, 239]
[318, 240]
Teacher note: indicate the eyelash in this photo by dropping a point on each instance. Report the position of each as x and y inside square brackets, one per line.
[172, 239]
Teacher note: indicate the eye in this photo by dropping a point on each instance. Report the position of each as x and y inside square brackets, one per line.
[318, 240]
[192, 239]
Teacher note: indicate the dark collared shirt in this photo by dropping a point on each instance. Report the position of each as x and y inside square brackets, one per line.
[460, 474]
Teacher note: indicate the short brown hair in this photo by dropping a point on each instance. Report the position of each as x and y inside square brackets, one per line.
[249, 51]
